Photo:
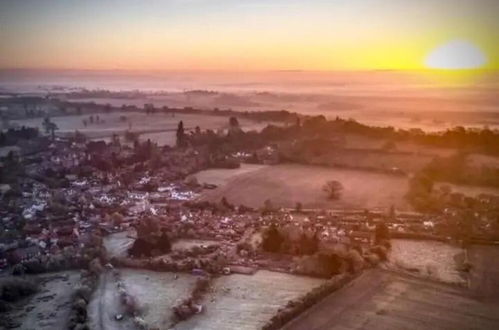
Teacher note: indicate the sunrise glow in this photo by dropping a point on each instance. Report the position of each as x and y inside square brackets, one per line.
[243, 35]
[456, 55]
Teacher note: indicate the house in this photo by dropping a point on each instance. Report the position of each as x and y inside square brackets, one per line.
[268, 155]
[32, 228]
[22, 254]
[362, 237]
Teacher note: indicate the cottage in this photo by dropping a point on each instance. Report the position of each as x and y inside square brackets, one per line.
[22, 254]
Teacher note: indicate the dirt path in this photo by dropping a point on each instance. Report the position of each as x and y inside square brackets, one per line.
[379, 299]
[105, 305]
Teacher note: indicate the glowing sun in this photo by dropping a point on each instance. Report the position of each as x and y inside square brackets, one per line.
[455, 55]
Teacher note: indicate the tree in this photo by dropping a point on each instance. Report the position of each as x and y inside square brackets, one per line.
[268, 207]
[180, 135]
[272, 239]
[49, 127]
[309, 245]
[333, 189]
[381, 233]
[298, 207]
[420, 193]
[233, 122]
[389, 146]
[147, 227]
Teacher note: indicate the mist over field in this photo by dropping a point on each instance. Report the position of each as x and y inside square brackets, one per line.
[406, 99]
[249, 165]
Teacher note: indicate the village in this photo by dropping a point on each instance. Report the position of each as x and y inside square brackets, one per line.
[68, 202]
[125, 211]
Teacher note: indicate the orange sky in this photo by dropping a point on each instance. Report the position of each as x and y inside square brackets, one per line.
[240, 35]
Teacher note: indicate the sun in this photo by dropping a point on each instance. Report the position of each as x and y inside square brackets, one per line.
[456, 55]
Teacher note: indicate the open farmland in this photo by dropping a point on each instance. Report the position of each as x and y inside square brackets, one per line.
[186, 243]
[117, 244]
[222, 176]
[157, 293]
[246, 302]
[48, 308]
[484, 275]
[285, 185]
[382, 300]
[363, 158]
[159, 127]
[472, 191]
[434, 260]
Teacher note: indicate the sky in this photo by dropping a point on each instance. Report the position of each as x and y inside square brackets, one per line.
[240, 35]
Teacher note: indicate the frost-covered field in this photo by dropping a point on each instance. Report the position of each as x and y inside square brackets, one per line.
[157, 293]
[435, 260]
[117, 244]
[246, 302]
[48, 308]
[184, 244]
[158, 127]
[287, 184]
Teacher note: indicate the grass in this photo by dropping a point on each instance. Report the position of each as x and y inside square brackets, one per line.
[49, 307]
[285, 185]
[157, 293]
[435, 260]
[247, 301]
[160, 127]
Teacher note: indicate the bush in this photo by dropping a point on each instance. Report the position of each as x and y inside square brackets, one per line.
[355, 261]
[372, 259]
[13, 288]
[272, 239]
[83, 292]
[201, 286]
[191, 181]
[380, 251]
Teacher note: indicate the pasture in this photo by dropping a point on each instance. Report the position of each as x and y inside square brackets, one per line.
[287, 184]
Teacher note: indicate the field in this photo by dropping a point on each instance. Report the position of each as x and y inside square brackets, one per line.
[472, 191]
[157, 293]
[246, 302]
[223, 176]
[234, 302]
[48, 308]
[185, 244]
[380, 299]
[117, 244]
[158, 127]
[285, 185]
[484, 275]
[433, 260]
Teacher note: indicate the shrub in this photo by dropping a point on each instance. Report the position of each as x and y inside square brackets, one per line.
[13, 288]
[355, 260]
[380, 251]
[272, 239]
[83, 292]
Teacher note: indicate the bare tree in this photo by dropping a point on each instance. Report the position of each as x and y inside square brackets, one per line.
[333, 189]
[50, 127]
